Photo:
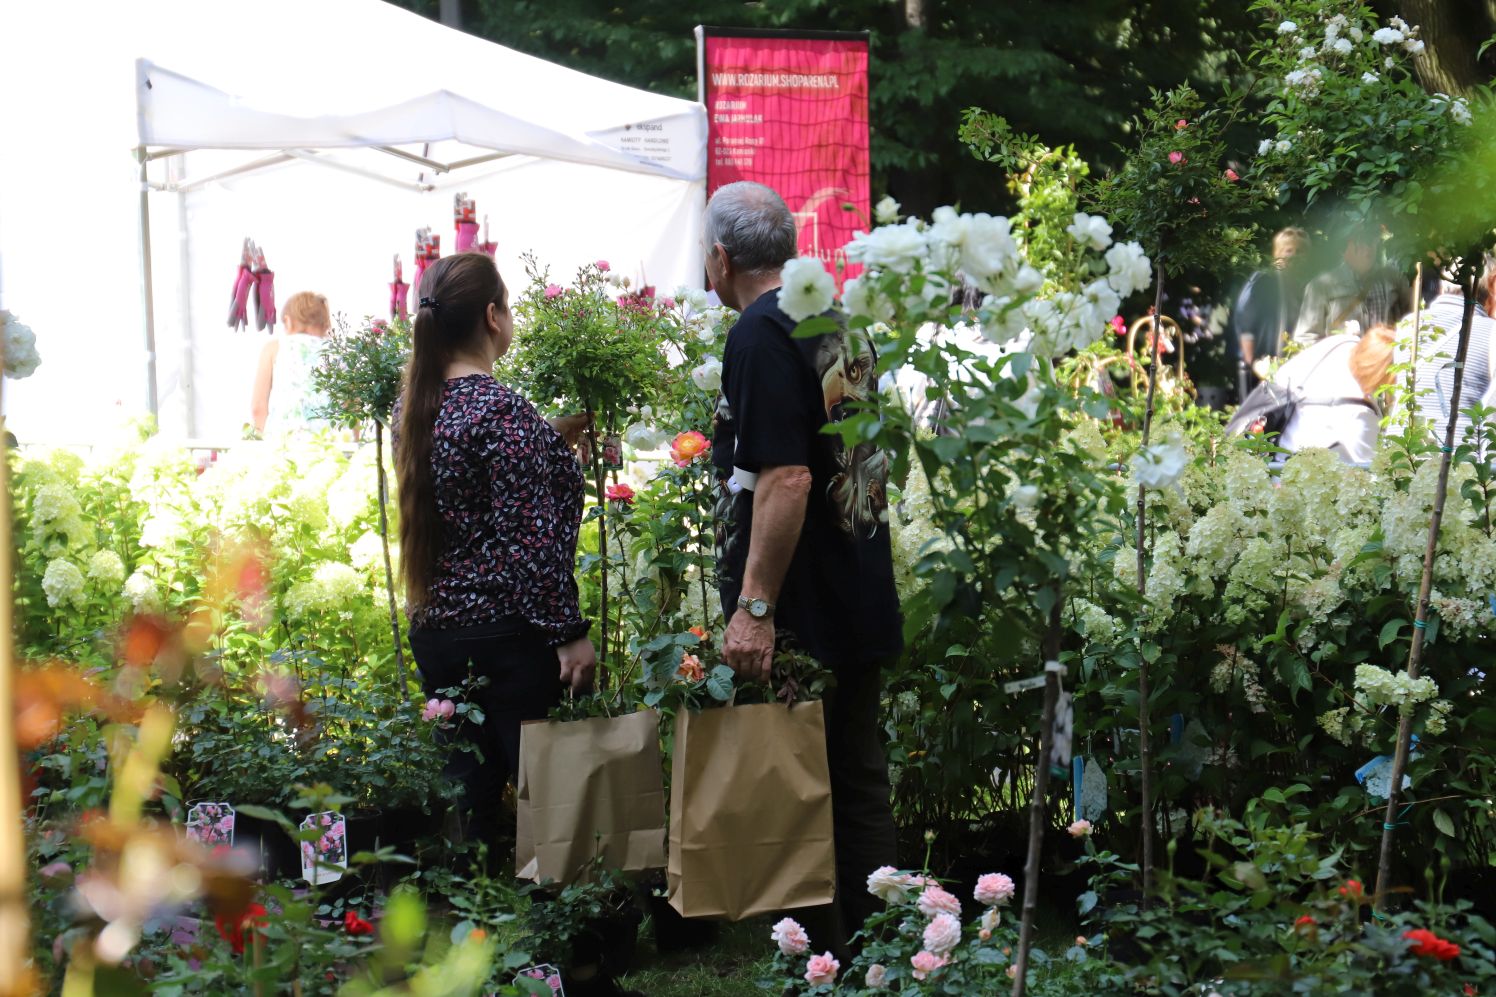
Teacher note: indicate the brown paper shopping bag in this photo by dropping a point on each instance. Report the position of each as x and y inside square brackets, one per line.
[750, 811]
[588, 787]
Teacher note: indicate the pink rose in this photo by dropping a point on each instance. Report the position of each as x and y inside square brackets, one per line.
[926, 963]
[554, 291]
[942, 934]
[877, 975]
[57, 873]
[994, 889]
[1080, 829]
[602, 265]
[1176, 158]
[1181, 125]
[435, 708]
[447, 708]
[790, 937]
[938, 900]
[1232, 175]
[1013, 971]
[821, 969]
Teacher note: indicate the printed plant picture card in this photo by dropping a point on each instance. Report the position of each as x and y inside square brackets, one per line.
[211, 824]
[546, 974]
[325, 859]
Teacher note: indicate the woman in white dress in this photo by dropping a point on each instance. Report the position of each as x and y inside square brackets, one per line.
[1335, 382]
[284, 399]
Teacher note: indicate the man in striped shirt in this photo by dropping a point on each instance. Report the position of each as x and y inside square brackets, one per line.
[1437, 343]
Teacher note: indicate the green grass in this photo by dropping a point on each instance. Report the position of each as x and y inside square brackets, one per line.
[729, 966]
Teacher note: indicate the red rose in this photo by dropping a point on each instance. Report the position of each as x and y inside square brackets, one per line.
[1352, 890]
[355, 925]
[1431, 946]
[231, 928]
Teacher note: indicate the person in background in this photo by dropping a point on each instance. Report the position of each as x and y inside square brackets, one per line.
[1268, 305]
[284, 399]
[490, 505]
[1336, 381]
[802, 519]
[1356, 290]
[1433, 375]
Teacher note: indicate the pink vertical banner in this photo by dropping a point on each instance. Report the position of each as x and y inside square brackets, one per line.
[790, 110]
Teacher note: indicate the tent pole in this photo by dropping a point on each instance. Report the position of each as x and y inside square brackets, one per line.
[184, 308]
[146, 291]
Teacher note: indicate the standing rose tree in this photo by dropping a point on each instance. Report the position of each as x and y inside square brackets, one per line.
[1015, 495]
[1348, 120]
[359, 374]
[1180, 198]
[595, 347]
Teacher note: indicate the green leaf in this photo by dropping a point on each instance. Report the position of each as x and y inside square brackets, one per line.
[1391, 630]
[1444, 822]
[719, 683]
[1087, 901]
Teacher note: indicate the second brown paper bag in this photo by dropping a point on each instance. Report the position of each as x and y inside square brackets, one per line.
[750, 811]
[587, 787]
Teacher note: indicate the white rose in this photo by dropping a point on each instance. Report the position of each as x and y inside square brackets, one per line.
[887, 211]
[1343, 46]
[891, 247]
[1387, 36]
[1282, 146]
[887, 884]
[859, 297]
[1264, 147]
[1027, 281]
[1001, 320]
[640, 437]
[1159, 465]
[1091, 231]
[1413, 46]
[808, 289]
[19, 344]
[708, 376]
[1102, 298]
[1128, 270]
[1287, 28]
[989, 246]
[697, 299]
[1369, 77]
[1026, 496]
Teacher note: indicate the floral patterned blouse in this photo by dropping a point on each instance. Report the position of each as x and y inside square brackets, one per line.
[509, 493]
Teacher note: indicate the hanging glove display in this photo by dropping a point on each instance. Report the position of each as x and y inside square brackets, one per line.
[264, 293]
[243, 281]
[465, 218]
[428, 251]
[399, 294]
[485, 247]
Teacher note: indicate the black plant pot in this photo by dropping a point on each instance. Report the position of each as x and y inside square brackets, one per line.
[608, 943]
[403, 828]
[277, 852]
[673, 933]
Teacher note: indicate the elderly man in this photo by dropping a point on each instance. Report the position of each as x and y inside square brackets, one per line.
[803, 548]
[1268, 305]
[1357, 290]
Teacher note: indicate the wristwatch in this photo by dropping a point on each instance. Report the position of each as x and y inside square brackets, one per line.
[759, 609]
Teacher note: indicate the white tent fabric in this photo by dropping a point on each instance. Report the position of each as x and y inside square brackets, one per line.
[328, 132]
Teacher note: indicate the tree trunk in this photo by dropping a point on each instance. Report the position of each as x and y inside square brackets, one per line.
[401, 671]
[1038, 811]
[1451, 31]
[1469, 281]
[1145, 719]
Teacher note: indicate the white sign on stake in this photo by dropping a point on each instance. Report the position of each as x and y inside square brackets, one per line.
[325, 859]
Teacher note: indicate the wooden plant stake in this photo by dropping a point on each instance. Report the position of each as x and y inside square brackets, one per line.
[1145, 745]
[1470, 272]
[1038, 811]
[402, 671]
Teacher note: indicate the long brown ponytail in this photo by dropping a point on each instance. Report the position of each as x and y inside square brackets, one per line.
[455, 294]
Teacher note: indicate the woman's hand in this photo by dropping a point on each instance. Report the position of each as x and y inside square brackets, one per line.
[578, 661]
[571, 427]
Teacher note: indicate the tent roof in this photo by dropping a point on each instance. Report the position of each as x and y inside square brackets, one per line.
[390, 79]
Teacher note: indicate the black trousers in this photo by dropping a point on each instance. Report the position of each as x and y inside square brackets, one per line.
[861, 805]
[523, 682]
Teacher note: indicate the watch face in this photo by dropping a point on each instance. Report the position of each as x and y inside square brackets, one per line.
[758, 608]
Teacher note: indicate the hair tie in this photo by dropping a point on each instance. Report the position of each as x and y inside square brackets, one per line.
[431, 303]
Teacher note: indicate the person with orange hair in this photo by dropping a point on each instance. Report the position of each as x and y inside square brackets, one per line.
[1336, 383]
[284, 399]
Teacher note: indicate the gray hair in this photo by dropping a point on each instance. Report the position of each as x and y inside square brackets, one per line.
[753, 225]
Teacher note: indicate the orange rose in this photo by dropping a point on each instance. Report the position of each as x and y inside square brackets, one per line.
[687, 447]
[690, 669]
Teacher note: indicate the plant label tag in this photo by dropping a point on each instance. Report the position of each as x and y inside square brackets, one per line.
[1063, 731]
[1023, 685]
[546, 974]
[324, 859]
[613, 452]
[211, 824]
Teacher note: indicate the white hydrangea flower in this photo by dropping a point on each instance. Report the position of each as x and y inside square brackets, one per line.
[708, 375]
[1387, 36]
[1438, 716]
[887, 211]
[143, 594]
[1090, 231]
[63, 583]
[808, 289]
[1380, 687]
[1128, 269]
[332, 588]
[19, 345]
[1026, 496]
[106, 567]
[367, 552]
[1287, 28]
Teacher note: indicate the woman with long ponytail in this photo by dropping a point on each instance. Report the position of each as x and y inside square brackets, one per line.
[490, 504]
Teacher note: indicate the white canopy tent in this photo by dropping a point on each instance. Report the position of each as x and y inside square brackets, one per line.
[326, 131]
